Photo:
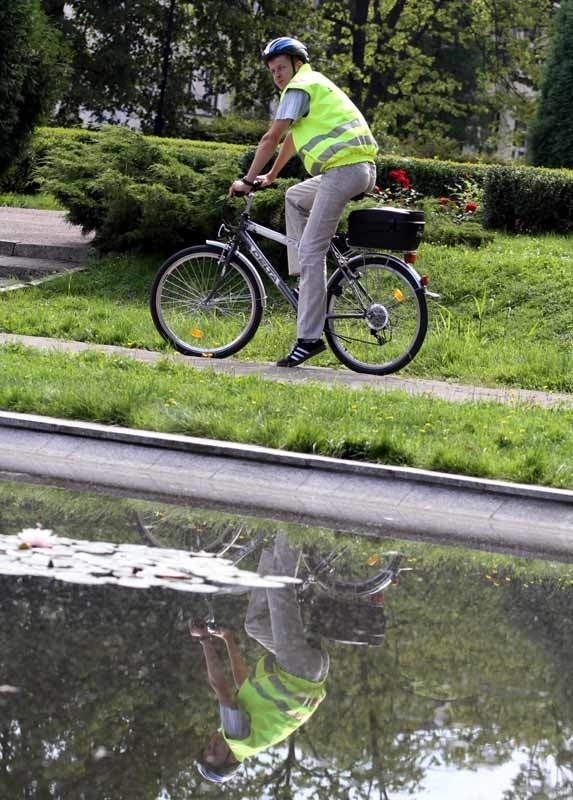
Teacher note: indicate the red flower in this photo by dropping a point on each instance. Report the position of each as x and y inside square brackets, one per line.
[470, 207]
[400, 176]
[443, 201]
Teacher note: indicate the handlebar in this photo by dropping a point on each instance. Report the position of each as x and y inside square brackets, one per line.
[256, 187]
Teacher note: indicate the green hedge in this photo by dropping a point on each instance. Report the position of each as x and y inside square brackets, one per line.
[528, 199]
[151, 192]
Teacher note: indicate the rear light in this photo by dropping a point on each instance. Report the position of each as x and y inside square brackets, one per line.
[410, 258]
[424, 280]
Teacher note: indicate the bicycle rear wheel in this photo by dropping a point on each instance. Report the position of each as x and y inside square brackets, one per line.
[377, 322]
[202, 312]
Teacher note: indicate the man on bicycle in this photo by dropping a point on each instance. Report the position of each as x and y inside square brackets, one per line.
[320, 123]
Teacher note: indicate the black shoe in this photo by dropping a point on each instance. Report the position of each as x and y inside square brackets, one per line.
[301, 352]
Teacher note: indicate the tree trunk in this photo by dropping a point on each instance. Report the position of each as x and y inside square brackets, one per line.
[159, 123]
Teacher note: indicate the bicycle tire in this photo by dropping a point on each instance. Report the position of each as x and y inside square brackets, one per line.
[172, 528]
[386, 332]
[350, 580]
[196, 324]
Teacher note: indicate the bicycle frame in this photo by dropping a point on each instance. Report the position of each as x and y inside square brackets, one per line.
[242, 235]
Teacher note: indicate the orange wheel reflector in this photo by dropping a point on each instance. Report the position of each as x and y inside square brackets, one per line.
[196, 333]
[398, 295]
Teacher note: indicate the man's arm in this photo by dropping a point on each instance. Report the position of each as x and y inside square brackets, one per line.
[263, 154]
[238, 664]
[286, 152]
[267, 147]
[216, 675]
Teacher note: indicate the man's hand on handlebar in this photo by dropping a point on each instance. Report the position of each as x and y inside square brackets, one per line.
[241, 187]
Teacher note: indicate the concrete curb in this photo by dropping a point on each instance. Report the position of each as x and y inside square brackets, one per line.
[267, 455]
[368, 498]
[45, 252]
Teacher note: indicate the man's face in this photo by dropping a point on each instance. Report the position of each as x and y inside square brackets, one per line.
[216, 751]
[281, 70]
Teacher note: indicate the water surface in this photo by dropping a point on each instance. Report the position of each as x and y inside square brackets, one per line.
[103, 694]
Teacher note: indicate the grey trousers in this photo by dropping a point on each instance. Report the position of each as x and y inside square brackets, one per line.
[274, 619]
[313, 210]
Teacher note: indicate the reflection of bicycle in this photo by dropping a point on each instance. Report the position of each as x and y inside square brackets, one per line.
[209, 300]
[341, 588]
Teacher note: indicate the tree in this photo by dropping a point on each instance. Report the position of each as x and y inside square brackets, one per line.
[551, 138]
[31, 69]
[431, 69]
[163, 61]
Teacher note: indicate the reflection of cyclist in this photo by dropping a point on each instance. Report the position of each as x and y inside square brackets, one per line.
[286, 686]
[337, 148]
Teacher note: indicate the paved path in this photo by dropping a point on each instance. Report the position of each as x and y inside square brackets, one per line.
[26, 230]
[452, 392]
[37, 552]
[38, 245]
[358, 497]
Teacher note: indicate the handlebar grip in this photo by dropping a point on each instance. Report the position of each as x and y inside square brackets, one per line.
[256, 187]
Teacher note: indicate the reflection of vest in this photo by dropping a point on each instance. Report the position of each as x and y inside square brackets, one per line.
[277, 703]
[334, 133]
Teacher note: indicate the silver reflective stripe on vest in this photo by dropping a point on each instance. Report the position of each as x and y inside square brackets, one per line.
[326, 155]
[282, 706]
[300, 699]
[335, 132]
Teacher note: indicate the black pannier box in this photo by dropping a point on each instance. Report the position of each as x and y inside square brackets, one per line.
[385, 228]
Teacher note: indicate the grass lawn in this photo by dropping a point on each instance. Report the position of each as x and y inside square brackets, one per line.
[505, 319]
[523, 444]
[42, 202]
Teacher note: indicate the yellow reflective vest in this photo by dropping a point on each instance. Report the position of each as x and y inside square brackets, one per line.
[277, 703]
[334, 133]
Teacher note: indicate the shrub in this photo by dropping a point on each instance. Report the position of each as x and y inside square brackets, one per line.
[141, 192]
[228, 128]
[528, 199]
[430, 177]
[146, 191]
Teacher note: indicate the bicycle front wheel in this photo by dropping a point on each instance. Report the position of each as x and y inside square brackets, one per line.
[200, 310]
[377, 322]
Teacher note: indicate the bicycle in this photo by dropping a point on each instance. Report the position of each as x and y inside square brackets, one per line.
[341, 599]
[341, 594]
[208, 300]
